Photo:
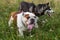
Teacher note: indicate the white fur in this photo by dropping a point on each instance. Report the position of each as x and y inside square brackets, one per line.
[20, 19]
[36, 25]
[50, 11]
[20, 25]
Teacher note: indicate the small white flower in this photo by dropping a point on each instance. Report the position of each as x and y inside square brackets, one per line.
[46, 20]
[31, 35]
[11, 27]
[50, 30]
[43, 21]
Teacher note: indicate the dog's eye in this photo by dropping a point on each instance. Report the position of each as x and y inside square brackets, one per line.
[28, 17]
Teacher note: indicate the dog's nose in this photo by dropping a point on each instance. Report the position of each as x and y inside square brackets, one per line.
[32, 21]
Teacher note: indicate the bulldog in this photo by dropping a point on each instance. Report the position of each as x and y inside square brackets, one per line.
[25, 20]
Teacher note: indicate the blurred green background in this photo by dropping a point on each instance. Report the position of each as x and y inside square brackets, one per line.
[50, 30]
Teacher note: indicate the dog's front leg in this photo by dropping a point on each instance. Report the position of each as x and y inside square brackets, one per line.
[10, 21]
[20, 31]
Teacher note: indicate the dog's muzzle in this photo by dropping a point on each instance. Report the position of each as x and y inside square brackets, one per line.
[49, 12]
[32, 21]
[31, 24]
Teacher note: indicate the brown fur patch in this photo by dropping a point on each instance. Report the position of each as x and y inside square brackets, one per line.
[14, 14]
[27, 16]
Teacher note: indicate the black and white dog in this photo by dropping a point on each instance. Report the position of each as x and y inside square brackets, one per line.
[42, 9]
[39, 10]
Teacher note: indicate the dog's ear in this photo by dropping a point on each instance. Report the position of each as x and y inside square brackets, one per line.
[26, 15]
[30, 9]
[48, 3]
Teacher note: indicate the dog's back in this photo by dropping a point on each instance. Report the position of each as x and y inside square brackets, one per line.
[13, 17]
[27, 7]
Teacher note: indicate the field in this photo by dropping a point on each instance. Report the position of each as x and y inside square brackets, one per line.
[50, 30]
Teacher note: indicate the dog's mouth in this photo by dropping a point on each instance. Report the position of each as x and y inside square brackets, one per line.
[49, 12]
[30, 26]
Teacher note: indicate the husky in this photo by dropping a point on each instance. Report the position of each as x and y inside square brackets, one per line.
[42, 9]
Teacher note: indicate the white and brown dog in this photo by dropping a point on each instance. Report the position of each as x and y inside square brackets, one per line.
[25, 20]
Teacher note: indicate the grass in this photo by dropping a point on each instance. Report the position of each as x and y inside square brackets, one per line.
[50, 30]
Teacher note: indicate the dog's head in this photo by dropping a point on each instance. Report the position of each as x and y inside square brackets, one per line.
[41, 9]
[29, 19]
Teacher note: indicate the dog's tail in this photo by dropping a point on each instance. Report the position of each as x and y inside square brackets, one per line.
[32, 1]
[10, 21]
